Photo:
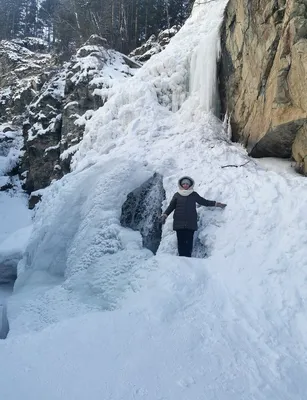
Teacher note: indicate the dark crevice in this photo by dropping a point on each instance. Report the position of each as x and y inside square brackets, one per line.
[267, 70]
[4, 323]
[277, 142]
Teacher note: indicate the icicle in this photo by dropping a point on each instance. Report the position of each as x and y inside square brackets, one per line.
[227, 126]
[203, 70]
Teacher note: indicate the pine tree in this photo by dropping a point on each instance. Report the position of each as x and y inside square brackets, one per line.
[9, 18]
[46, 18]
[67, 24]
[26, 25]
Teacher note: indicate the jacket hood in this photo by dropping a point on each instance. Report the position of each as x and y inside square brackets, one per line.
[186, 177]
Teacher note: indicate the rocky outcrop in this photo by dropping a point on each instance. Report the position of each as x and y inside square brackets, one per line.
[154, 45]
[86, 89]
[22, 74]
[299, 150]
[26, 101]
[10, 142]
[42, 135]
[142, 210]
[263, 76]
[51, 103]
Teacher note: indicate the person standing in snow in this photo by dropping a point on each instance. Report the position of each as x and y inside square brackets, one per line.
[185, 216]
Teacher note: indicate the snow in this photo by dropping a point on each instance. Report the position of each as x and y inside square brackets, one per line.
[15, 225]
[278, 165]
[16, 242]
[10, 143]
[5, 93]
[52, 148]
[103, 65]
[17, 52]
[153, 45]
[54, 88]
[95, 315]
[71, 150]
[14, 216]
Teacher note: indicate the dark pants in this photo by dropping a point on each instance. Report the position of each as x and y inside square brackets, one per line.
[185, 242]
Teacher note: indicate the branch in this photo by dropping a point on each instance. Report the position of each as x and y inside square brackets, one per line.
[204, 1]
[235, 166]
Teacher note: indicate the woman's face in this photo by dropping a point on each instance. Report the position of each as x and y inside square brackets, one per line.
[185, 186]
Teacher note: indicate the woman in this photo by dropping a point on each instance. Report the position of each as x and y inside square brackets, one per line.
[185, 216]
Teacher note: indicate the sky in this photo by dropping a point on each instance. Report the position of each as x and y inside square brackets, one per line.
[95, 315]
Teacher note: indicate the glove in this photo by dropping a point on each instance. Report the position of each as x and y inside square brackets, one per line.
[220, 205]
[163, 218]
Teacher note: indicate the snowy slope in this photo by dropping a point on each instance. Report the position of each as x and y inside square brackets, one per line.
[113, 321]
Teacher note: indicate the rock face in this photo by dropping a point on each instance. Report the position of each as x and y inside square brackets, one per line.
[50, 102]
[22, 74]
[142, 210]
[88, 78]
[299, 150]
[263, 76]
[42, 134]
[26, 67]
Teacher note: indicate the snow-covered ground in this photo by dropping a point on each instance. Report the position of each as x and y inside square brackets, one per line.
[94, 315]
[278, 165]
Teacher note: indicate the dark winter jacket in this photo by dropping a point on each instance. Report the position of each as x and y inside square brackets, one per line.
[185, 216]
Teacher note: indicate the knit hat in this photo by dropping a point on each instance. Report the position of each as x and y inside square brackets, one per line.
[185, 180]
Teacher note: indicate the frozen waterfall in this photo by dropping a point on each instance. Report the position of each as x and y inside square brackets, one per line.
[203, 69]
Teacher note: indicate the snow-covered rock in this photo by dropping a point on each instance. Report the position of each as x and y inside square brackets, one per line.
[61, 101]
[11, 141]
[92, 72]
[142, 211]
[154, 45]
[51, 103]
[22, 73]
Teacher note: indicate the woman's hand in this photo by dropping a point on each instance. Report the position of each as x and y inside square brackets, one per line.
[163, 218]
[220, 205]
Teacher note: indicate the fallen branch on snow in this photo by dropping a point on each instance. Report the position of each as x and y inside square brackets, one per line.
[235, 166]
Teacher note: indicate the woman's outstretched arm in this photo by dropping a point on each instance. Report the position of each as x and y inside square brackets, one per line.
[171, 207]
[208, 203]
